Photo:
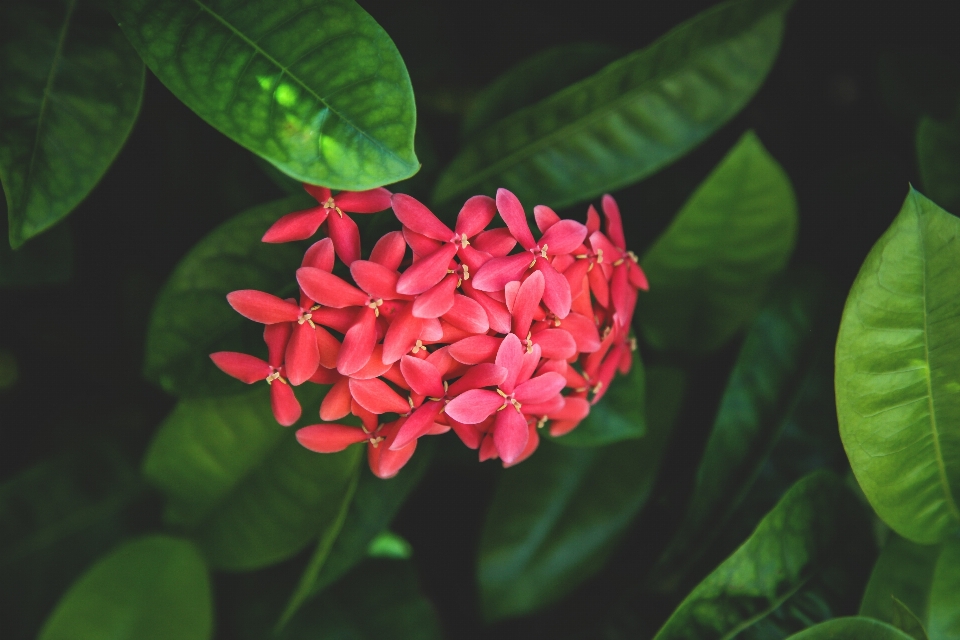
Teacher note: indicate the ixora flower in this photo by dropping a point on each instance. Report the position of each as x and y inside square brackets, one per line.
[489, 332]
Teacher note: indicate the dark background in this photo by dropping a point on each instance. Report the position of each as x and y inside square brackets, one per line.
[838, 111]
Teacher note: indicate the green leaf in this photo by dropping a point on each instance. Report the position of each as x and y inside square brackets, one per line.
[851, 629]
[556, 518]
[379, 599]
[155, 588]
[620, 414]
[316, 86]
[390, 545]
[938, 154]
[926, 579]
[191, 317]
[629, 120]
[534, 79]
[761, 394]
[244, 486]
[70, 90]
[898, 373]
[794, 548]
[55, 518]
[907, 621]
[710, 269]
[374, 505]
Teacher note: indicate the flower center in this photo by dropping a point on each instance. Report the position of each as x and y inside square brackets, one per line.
[306, 317]
[375, 305]
[508, 399]
[330, 204]
[275, 376]
[417, 347]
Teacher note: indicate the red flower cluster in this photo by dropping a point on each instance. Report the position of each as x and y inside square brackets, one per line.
[471, 335]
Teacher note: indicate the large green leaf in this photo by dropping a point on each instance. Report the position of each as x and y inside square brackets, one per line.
[70, 90]
[620, 414]
[851, 629]
[898, 373]
[938, 154]
[556, 518]
[55, 519]
[630, 119]
[369, 513]
[314, 86]
[191, 317]
[768, 587]
[925, 578]
[534, 79]
[762, 392]
[710, 269]
[155, 588]
[242, 483]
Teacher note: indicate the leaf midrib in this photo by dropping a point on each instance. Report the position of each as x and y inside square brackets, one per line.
[938, 453]
[285, 71]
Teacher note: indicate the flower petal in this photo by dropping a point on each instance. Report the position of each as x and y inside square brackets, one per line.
[376, 396]
[467, 315]
[528, 364]
[556, 293]
[498, 316]
[574, 408]
[437, 300]
[474, 406]
[375, 279]
[510, 357]
[583, 331]
[599, 286]
[389, 250]
[418, 424]
[432, 330]
[363, 201]
[303, 355]
[320, 255]
[358, 343]
[533, 441]
[367, 419]
[244, 368]
[427, 271]
[510, 434]
[497, 272]
[263, 307]
[556, 344]
[488, 449]
[330, 438]
[284, 404]
[336, 404]
[539, 409]
[545, 218]
[476, 214]
[485, 374]
[512, 213]
[476, 349]
[276, 336]
[346, 237]
[415, 216]
[528, 299]
[298, 225]
[421, 245]
[328, 348]
[497, 242]
[422, 376]
[574, 275]
[614, 223]
[375, 366]
[322, 194]
[329, 290]
[386, 463]
[541, 388]
[337, 319]
[445, 364]
[468, 433]
[563, 237]
[637, 277]
[593, 219]
[323, 375]
[402, 334]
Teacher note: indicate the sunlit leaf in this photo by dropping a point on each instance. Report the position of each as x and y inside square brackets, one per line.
[710, 269]
[851, 629]
[191, 318]
[242, 484]
[155, 588]
[315, 86]
[898, 373]
[629, 119]
[70, 90]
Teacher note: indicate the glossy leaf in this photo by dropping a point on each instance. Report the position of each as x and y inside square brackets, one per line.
[898, 373]
[813, 528]
[534, 79]
[710, 269]
[191, 317]
[620, 414]
[154, 588]
[377, 600]
[556, 518]
[70, 91]
[907, 621]
[242, 483]
[938, 156]
[314, 86]
[851, 629]
[925, 578]
[55, 519]
[764, 386]
[373, 507]
[633, 117]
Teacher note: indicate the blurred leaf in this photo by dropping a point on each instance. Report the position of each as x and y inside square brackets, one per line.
[534, 79]
[907, 621]
[315, 87]
[46, 260]
[286, 183]
[70, 90]
[377, 600]
[710, 269]
[914, 83]
[761, 394]
[620, 414]
[925, 578]
[9, 371]
[242, 483]
[389, 545]
[154, 588]
[556, 518]
[55, 518]
[851, 629]
[796, 547]
[374, 505]
[191, 317]
[629, 120]
[938, 154]
[898, 373]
